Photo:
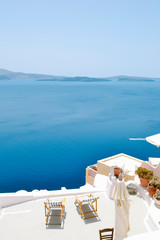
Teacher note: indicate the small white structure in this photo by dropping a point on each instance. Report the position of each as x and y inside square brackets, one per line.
[154, 161]
[105, 166]
[127, 163]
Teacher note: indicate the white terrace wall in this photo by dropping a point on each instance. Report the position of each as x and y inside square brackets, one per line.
[9, 199]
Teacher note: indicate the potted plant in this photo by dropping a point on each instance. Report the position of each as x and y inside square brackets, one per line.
[145, 176]
[156, 197]
[153, 185]
[117, 171]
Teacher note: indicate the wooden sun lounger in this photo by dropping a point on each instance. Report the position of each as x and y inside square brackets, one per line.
[90, 200]
[51, 206]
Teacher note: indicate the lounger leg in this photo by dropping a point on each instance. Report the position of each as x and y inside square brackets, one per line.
[81, 212]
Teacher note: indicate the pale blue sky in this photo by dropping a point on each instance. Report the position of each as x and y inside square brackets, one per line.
[96, 38]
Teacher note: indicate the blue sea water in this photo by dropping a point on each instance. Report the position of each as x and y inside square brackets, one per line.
[51, 131]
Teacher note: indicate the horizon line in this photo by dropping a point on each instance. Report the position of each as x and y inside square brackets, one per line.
[113, 76]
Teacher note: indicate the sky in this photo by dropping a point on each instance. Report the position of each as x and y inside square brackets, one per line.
[96, 38]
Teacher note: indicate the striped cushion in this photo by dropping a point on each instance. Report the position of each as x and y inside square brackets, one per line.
[53, 204]
[86, 199]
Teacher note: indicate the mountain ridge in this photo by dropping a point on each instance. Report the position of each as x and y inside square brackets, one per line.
[11, 75]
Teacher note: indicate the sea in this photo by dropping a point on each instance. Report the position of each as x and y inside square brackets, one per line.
[50, 131]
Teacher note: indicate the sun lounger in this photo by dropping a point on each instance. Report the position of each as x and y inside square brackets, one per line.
[51, 207]
[90, 201]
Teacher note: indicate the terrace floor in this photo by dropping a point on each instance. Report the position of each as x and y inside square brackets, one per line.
[27, 221]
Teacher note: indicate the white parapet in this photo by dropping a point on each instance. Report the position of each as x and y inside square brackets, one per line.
[9, 199]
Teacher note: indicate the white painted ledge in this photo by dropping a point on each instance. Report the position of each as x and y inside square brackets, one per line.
[9, 199]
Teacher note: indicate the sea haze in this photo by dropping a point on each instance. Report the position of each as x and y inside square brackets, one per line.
[50, 131]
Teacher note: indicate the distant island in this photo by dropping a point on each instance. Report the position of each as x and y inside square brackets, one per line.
[10, 75]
